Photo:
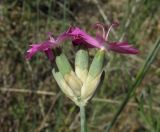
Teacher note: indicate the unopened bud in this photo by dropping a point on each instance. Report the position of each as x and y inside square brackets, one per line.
[63, 85]
[81, 65]
[93, 77]
[74, 83]
[63, 64]
[68, 74]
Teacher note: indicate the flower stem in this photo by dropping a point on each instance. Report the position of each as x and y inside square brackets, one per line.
[83, 119]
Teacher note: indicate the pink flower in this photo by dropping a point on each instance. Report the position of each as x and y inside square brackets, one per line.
[101, 40]
[47, 46]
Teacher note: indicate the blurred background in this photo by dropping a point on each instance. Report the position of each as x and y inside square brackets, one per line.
[30, 99]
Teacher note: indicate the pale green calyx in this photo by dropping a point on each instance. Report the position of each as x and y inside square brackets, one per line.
[80, 85]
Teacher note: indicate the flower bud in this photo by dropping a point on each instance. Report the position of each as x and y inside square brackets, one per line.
[68, 74]
[63, 65]
[63, 85]
[93, 77]
[81, 65]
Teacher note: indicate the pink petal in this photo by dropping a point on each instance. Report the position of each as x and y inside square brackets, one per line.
[32, 51]
[40, 47]
[81, 37]
[63, 37]
[50, 55]
[122, 47]
[47, 46]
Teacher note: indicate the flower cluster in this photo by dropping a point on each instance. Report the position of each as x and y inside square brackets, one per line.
[80, 83]
[80, 37]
